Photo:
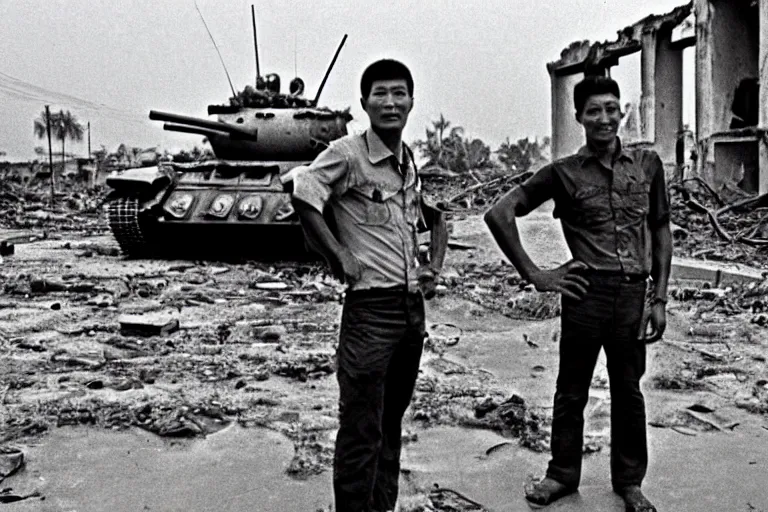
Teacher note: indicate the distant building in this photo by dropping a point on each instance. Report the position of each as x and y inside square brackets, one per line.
[30, 173]
[731, 41]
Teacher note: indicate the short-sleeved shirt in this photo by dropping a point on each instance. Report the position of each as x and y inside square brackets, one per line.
[375, 198]
[606, 213]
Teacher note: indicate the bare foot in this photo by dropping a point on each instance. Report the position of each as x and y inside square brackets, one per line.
[546, 492]
[635, 500]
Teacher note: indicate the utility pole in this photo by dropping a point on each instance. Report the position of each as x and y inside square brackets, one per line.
[89, 140]
[50, 153]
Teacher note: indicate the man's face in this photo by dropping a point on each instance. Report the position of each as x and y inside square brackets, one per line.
[601, 117]
[388, 104]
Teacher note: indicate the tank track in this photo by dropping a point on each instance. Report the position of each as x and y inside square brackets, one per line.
[124, 221]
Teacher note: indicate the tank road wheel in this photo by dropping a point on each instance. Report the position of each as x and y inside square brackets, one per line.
[127, 227]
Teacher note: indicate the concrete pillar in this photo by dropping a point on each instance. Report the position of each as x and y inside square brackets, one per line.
[648, 85]
[668, 96]
[704, 62]
[762, 122]
[567, 133]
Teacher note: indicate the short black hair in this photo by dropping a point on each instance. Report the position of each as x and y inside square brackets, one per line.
[385, 69]
[591, 86]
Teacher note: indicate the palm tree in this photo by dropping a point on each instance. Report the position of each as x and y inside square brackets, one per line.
[41, 124]
[440, 126]
[66, 126]
[518, 157]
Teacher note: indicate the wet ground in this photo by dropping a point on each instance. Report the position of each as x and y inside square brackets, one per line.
[236, 408]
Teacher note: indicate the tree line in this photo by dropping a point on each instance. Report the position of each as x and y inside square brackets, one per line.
[65, 126]
[447, 148]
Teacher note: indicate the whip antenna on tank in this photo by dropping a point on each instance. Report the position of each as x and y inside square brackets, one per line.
[255, 42]
[217, 50]
[328, 72]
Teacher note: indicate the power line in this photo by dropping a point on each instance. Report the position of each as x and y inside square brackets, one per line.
[29, 92]
[93, 112]
[69, 97]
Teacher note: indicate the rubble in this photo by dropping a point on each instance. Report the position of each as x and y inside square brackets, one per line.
[253, 344]
[721, 228]
[498, 287]
[77, 207]
[448, 500]
[11, 460]
[147, 325]
[461, 193]
[515, 418]
[313, 455]
[8, 496]
[306, 366]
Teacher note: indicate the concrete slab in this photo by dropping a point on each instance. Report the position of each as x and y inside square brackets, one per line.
[715, 272]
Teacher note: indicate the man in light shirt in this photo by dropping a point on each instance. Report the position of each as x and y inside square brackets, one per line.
[369, 184]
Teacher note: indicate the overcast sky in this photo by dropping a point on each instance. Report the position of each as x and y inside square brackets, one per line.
[480, 63]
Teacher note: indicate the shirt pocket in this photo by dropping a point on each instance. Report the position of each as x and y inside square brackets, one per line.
[374, 205]
[636, 199]
[590, 205]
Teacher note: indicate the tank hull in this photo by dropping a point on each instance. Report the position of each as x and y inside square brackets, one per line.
[214, 209]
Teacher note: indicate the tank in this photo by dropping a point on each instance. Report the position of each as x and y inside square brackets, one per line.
[236, 200]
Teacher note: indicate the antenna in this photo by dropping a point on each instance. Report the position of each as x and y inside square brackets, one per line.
[328, 72]
[217, 50]
[295, 65]
[255, 43]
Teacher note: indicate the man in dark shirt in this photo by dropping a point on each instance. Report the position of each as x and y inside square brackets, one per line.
[614, 209]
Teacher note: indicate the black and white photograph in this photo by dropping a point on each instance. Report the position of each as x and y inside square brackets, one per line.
[370, 256]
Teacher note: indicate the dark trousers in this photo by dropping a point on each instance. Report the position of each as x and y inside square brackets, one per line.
[380, 344]
[608, 317]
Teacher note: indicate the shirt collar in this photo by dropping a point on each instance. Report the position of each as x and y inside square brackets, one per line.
[586, 152]
[378, 151]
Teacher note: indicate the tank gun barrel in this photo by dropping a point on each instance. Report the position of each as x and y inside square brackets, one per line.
[217, 126]
[171, 127]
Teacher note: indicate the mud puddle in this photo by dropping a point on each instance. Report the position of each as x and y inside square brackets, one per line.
[93, 470]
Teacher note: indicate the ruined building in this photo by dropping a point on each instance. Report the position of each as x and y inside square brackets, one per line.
[731, 87]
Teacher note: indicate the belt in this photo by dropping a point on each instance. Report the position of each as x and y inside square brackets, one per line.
[390, 291]
[636, 277]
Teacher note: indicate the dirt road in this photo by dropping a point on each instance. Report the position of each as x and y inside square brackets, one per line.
[210, 345]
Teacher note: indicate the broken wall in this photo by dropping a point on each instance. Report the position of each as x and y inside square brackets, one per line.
[567, 133]
[660, 112]
[731, 59]
[727, 73]
[667, 81]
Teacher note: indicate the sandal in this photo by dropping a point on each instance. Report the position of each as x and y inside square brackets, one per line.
[635, 500]
[546, 492]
